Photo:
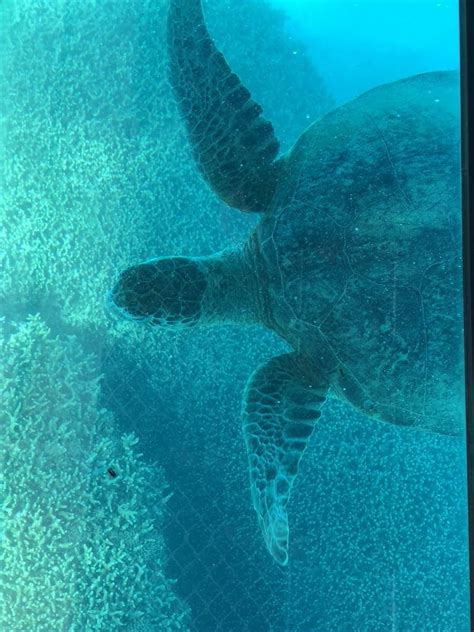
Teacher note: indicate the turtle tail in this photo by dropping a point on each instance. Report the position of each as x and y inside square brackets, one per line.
[234, 146]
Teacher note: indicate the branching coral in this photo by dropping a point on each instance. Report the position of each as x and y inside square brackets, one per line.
[81, 510]
[96, 174]
[97, 170]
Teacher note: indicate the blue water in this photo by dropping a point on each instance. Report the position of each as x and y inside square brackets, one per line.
[161, 534]
[359, 44]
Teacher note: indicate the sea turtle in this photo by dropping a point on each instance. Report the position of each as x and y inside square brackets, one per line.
[355, 261]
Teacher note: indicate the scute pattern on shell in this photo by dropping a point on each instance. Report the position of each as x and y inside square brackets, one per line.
[364, 242]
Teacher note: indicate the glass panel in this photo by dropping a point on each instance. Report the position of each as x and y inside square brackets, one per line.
[156, 396]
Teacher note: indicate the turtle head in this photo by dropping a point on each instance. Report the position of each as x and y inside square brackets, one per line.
[167, 292]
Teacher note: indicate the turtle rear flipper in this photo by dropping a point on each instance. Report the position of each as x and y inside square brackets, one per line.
[234, 146]
[282, 402]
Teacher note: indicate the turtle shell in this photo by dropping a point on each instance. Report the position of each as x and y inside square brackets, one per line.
[362, 251]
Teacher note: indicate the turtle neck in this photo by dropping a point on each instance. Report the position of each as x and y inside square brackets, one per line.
[232, 290]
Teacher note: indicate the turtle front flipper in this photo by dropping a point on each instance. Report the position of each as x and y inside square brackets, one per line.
[234, 146]
[282, 402]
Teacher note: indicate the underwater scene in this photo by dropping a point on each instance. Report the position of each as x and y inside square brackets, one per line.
[232, 383]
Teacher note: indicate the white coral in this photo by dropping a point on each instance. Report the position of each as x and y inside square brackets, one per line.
[75, 545]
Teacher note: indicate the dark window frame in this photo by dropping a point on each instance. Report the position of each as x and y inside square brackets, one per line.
[466, 12]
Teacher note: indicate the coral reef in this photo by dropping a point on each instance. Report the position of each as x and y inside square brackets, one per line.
[97, 175]
[97, 169]
[81, 511]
